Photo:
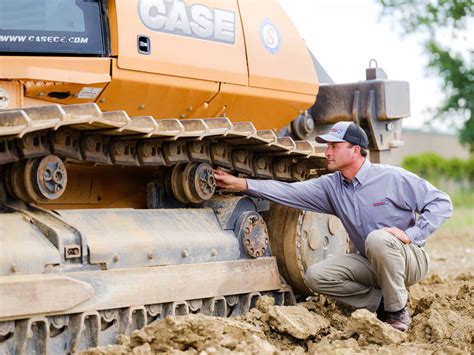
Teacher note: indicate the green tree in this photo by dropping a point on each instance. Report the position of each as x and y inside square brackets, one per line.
[449, 20]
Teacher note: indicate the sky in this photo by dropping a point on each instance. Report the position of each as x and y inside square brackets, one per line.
[345, 34]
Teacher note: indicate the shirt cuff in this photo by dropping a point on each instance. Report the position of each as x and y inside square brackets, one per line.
[252, 188]
[415, 235]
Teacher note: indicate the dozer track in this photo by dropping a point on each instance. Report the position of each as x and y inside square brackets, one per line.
[84, 133]
[93, 281]
[78, 330]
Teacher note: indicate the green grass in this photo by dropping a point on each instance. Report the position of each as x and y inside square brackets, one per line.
[463, 198]
[463, 211]
[463, 218]
[451, 247]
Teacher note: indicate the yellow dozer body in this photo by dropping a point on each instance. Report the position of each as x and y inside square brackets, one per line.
[113, 115]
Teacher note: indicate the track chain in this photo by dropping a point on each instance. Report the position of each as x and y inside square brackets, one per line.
[84, 133]
[70, 333]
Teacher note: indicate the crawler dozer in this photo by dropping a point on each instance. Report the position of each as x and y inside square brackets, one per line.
[113, 115]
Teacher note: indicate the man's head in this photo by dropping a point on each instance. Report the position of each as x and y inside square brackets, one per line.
[345, 132]
[347, 144]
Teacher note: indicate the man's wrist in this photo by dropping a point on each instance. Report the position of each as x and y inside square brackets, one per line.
[251, 187]
[413, 233]
[243, 186]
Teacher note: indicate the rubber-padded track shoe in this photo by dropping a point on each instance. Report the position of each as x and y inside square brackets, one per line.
[399, 320]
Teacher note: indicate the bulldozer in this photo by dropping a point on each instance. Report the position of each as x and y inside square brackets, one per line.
[114, 115]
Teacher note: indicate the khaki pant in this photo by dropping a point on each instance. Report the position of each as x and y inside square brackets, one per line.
[389, 268]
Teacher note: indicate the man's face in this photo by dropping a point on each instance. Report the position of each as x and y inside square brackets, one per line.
[339, 155]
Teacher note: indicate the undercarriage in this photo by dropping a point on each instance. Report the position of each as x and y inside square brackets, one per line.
[109, 223]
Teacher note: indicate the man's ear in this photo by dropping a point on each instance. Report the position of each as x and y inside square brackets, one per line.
[357, 149]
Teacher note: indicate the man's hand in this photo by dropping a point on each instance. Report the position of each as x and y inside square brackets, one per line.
[229, 181]
[398, 233]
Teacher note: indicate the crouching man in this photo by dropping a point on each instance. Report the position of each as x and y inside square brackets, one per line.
[378, 205]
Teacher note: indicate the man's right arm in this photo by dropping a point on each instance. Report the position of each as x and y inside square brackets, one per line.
[307, 195]
[228, 181]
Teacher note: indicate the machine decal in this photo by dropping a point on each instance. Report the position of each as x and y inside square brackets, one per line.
[196, 21]
[270, 36]
[44, 39]
[88, 93]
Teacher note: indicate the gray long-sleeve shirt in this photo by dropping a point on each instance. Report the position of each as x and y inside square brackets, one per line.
[379, 196]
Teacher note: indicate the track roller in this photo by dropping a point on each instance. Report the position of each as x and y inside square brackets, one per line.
[174, 183]
[191, 182]
[37, 180]
[199, 183]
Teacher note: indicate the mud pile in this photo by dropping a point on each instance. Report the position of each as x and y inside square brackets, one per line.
[444, 312]
[443, 322]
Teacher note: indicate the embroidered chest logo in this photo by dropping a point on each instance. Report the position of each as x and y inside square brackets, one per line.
[380, 203]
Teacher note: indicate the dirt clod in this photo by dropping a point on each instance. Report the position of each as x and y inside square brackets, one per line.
[369, 330]
[297, 321]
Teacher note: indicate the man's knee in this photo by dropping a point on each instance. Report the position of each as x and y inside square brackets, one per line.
[316, 277]
[379, 241]
[313, 276]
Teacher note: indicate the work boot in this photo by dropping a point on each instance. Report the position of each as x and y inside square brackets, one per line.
[381, 311]
[399, 320]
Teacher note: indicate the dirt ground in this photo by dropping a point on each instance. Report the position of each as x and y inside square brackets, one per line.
[442, 308]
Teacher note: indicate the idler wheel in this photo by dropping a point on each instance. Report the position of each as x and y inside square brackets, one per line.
[199, 183]
[303, 126]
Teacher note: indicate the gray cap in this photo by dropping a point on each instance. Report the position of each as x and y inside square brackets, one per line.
[345, 132]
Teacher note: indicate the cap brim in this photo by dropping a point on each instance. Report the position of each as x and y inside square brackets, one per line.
[328, 138]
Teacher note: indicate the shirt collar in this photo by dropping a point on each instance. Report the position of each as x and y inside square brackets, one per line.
[361, 175]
